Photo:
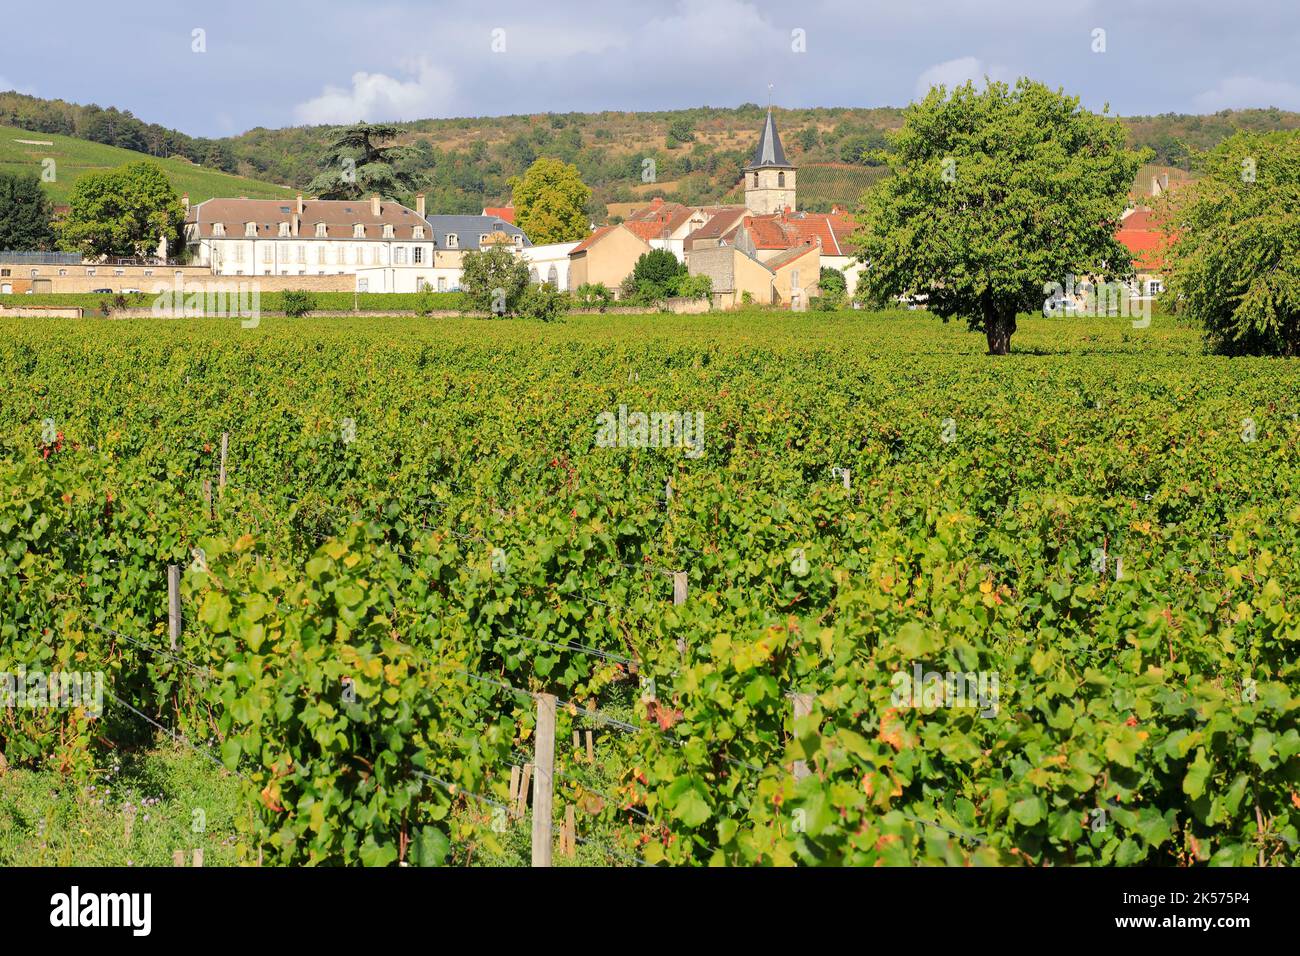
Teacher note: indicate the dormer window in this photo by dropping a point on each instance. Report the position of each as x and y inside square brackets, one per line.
[453, 241]
[320, 230]
[482, 240]
[418, 232]
[284, 230]
[358, 231]
[519, 241]
[388, 230]
[218, 228]
[250, 229]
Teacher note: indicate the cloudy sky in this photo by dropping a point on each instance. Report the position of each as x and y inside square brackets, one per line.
[220, 68]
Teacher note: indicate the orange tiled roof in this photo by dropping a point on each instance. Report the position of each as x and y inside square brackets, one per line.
[659, 219]
[1140, 233]
[592, 239]
[783, 230]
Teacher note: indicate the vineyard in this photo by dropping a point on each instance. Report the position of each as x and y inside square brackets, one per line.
[416, 543]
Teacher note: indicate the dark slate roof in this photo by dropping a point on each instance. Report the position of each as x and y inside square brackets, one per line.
[469, 228]
[769, 152]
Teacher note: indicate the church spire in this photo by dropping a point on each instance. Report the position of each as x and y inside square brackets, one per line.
[769, 152]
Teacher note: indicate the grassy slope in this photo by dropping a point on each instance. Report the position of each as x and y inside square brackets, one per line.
[75, 157]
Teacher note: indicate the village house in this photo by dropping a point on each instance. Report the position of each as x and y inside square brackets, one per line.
[455, 235]
[606, 256]
[385, 245]
[766, 227]
[1140, 234]
[45, 272]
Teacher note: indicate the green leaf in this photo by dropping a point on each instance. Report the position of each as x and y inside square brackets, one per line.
[1029, 811]
[1198, 772]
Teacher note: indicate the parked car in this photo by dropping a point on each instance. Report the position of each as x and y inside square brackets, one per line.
[130, 291]
[102, 291]
[1063, 305]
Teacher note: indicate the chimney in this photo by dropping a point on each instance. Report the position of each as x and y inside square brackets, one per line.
[374, 205]
[295, 224]
[300, 204]
[419, 205]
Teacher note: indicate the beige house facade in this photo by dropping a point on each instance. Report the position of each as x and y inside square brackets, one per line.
[607, 256]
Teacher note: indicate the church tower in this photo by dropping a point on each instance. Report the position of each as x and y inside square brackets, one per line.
[769, 178]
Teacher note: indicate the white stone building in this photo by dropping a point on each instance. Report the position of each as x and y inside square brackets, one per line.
[388, 247]
[548, 263]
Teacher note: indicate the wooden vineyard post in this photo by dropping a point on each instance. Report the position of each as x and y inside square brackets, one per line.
[568, 843]
[543, 779]
[679, 597]
[178, 857]
[591, 751]
[848, 483]
[679, 587]
[668, 492]
[174, 603]
[207, 496]
[515, 776]
[198, 856]
[221, 475]
[802, 708]
[522, 804]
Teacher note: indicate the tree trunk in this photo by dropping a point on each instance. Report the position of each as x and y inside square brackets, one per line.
[998, 328]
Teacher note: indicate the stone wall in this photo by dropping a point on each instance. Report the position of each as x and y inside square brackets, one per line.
[40, 312]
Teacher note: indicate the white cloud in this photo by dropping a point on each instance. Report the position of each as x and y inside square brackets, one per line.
[378, 97]
[1238, 92]
[731, 29]
[954, 73]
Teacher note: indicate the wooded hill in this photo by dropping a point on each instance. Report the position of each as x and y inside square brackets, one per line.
[697, 153]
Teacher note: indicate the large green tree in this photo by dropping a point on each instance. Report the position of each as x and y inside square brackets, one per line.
[123, 212]
[550, 202]
[25, 214]
[356, 164]
[494, 280]
[994, 194]
[1234, 258]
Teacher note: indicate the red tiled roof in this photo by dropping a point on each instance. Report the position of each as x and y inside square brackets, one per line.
[786, 229]
[1146, 245]
[1140, 233]
[659, 219]
[592, 239]
[339, 216]
[501, 212]
[724, 219]
[766, 232]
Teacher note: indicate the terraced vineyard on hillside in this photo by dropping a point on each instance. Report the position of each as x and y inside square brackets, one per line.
[427, 523]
